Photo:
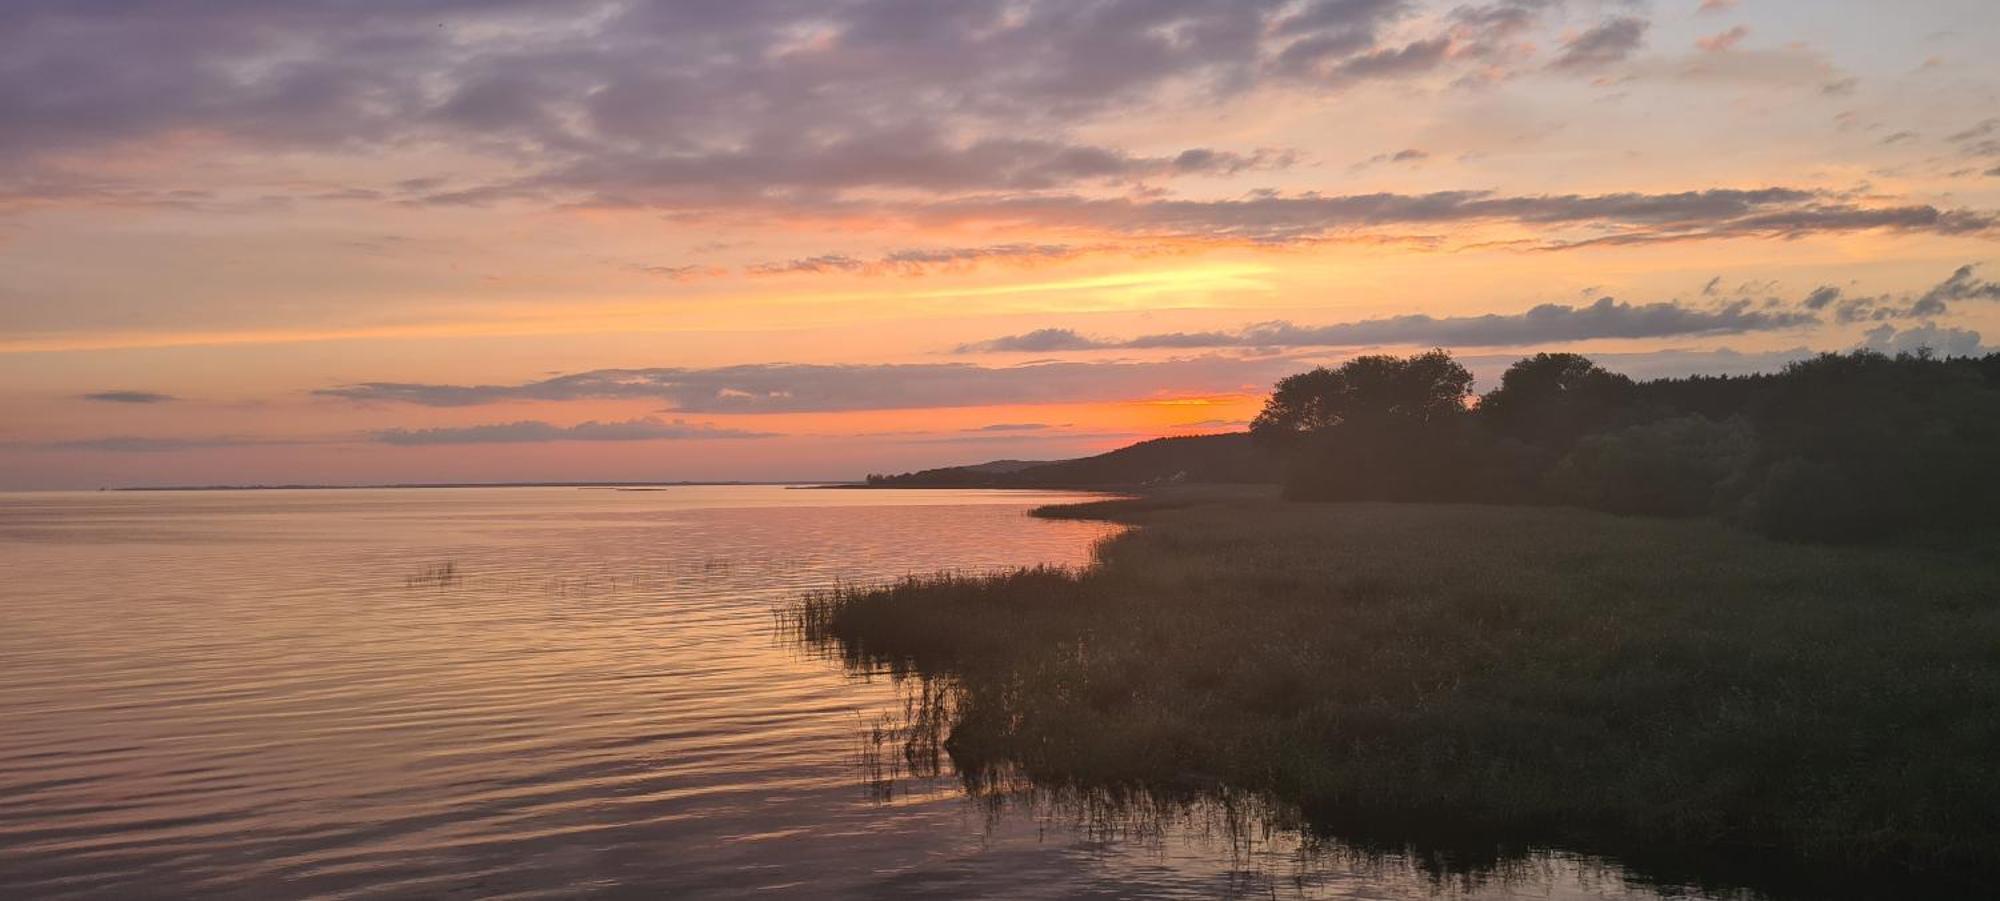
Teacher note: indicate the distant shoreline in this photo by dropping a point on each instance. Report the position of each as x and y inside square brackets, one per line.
[612, 485]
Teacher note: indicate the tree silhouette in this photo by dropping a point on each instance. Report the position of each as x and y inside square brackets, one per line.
[1370, 391]
[1554, 399]
[1840, 447]
[1377, 427]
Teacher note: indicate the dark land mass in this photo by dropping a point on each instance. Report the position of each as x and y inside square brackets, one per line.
[1227, 458]
[1854, 447]
[1705, 704]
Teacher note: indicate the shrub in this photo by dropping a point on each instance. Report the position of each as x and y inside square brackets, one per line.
[1392, 462]
[1673, 467]
[1809, 500]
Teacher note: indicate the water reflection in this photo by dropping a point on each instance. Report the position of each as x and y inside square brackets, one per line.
[508, 692]
[527, 692]
[1215, 839]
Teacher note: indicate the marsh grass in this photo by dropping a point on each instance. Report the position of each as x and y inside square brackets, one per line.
[1456, 674]
[434, 575]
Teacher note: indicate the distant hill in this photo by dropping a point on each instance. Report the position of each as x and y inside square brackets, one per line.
[1198, 458]
[1005, 466]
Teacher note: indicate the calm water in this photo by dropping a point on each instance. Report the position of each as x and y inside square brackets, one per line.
[533, 692]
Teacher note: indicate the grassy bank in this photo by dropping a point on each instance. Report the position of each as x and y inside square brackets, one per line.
[1430, 672]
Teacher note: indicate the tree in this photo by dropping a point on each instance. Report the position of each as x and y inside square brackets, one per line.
[1370, 391]
[1865, 445]
[1840, 447]
[1552, 400]
[1376, 428]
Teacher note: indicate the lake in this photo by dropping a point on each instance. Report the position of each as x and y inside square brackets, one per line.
[549, 692]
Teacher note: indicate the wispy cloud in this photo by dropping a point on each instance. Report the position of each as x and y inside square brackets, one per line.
[1606, 43]
[1551, 324]
[1723, 41]
[1041, 340]
[147, 445]
[679, 104]
[535, 431]
[1564, 220]
[129, 397]
[1963, 284]
[1013, 427]
[797, 387]
[917, 261]
[1545, 324]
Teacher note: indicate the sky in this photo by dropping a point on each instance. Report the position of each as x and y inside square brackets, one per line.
[377, 241]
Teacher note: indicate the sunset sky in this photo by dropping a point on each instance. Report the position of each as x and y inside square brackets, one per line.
[365, 241]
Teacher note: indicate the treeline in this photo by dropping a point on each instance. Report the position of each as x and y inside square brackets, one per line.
[1841, 447]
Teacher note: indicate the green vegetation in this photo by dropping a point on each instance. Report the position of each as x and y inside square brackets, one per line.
[1842, 447]
[1432, 673]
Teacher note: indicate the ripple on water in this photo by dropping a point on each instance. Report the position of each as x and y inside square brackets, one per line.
[523, 692]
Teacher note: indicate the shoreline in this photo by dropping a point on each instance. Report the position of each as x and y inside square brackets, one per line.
[1658, 690]
[438, 485]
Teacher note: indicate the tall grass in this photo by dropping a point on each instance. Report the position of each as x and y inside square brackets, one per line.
[1447, 672]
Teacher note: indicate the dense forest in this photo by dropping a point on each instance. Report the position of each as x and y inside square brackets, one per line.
[1838, 447]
